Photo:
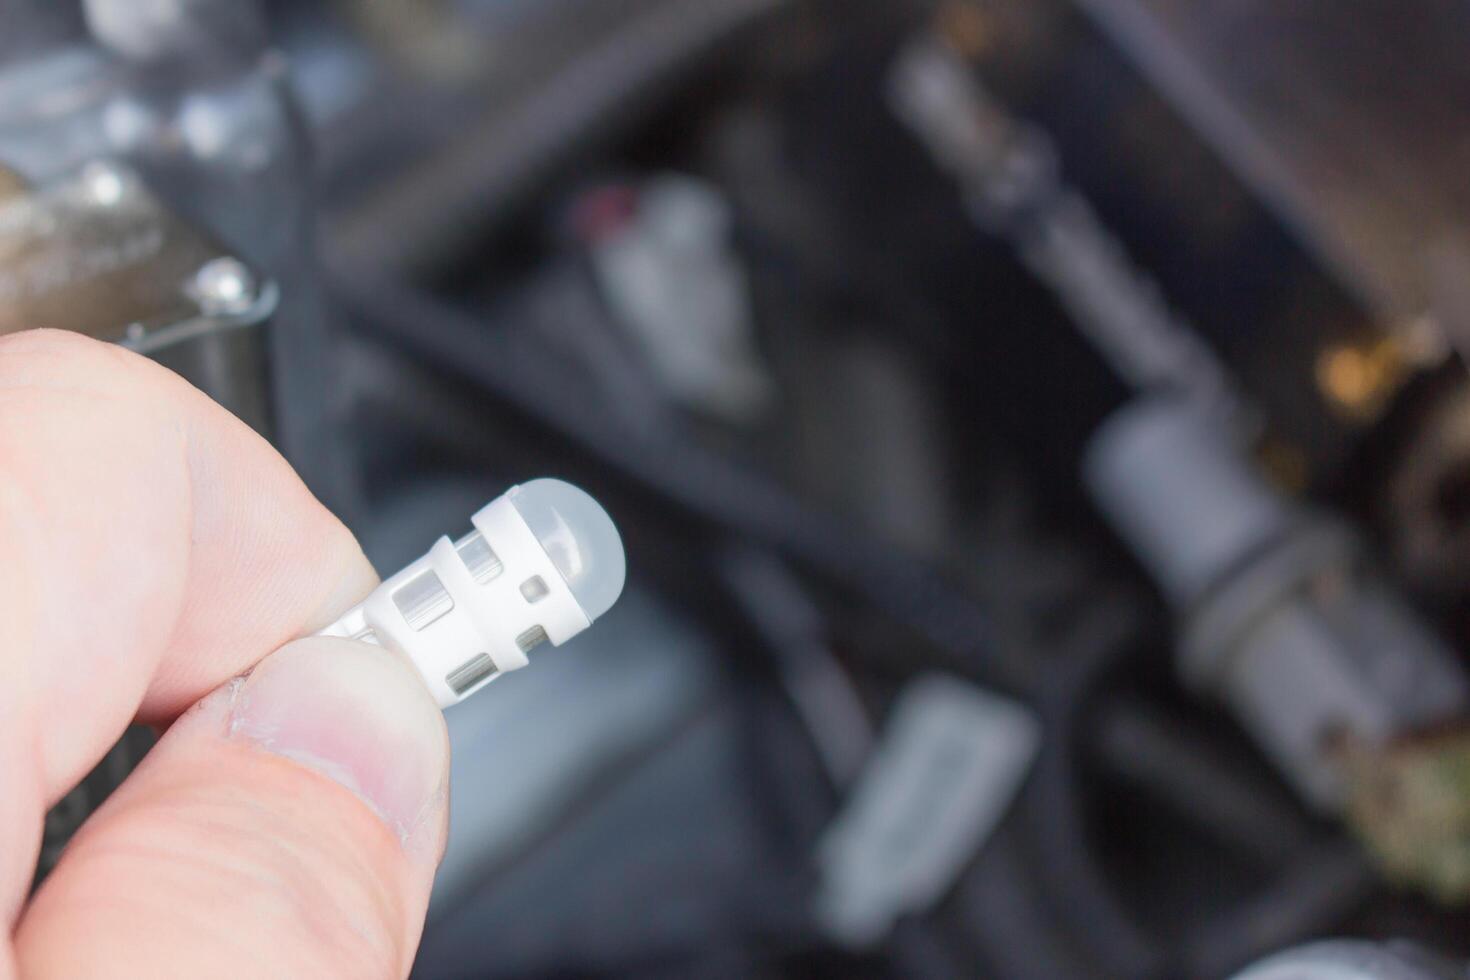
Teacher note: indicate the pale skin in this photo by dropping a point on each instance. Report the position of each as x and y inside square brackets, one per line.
[160, 562]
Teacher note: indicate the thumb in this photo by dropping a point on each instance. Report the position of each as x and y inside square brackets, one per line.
[288, 825]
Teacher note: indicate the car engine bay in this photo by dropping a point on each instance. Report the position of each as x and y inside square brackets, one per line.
[1040, 432]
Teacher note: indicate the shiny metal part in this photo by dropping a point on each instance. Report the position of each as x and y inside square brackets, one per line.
[480, 669]
[224, 286]
[149, 29]
[98, 253]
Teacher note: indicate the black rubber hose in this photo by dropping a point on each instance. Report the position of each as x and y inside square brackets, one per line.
[1189, 774]
[1076, 886]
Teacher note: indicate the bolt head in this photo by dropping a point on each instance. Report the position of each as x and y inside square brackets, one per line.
[224, 286]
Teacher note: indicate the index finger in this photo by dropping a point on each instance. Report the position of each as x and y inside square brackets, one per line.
[153, 547]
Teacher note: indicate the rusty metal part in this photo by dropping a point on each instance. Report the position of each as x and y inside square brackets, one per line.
[1410, 803]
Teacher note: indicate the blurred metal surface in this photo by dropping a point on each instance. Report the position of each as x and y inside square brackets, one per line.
[210, 164]
[1349, 117]
[96, 252]
[554, 91]
[1355, 960]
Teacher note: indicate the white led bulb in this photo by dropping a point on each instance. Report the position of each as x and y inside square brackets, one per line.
[543, 563]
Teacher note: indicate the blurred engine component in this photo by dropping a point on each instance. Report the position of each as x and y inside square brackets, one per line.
[1410, 802]
[152, 29]
[95, 251]
[1426, 504]
[428, 36]
[1347, 960]
[1276, 616]
[160, 198]
[554, 79]
[153, 194]
[673, 280]
[948, 766]
[1330, 160]
[827, 299]
[1010, 176]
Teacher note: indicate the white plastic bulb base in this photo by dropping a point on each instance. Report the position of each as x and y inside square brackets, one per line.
[543, 562]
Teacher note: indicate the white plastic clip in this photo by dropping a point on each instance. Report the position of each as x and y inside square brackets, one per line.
[543, 563]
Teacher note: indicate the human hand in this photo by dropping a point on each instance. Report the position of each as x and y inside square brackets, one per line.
[153, 549]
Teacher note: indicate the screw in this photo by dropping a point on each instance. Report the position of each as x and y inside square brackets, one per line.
[105, 183]
[223, 286]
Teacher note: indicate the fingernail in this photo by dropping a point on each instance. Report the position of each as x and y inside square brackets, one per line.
[355, 713]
